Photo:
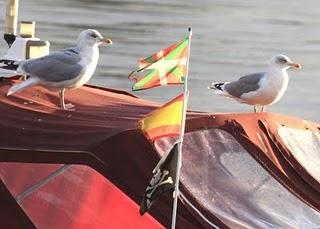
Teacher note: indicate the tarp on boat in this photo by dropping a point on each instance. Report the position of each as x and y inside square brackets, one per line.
[89, 167]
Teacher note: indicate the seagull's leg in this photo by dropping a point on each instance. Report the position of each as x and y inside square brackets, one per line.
[62, 104]
[255, 109]
[263, 109]
[23, 77]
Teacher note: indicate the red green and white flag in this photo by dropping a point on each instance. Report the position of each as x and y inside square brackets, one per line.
[166, 67]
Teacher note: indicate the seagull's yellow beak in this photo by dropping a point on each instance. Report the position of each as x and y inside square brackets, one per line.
[295, 65]
[106, 41]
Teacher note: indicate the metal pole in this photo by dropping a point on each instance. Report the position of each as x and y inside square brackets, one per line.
[11, 20]
[11, 17]
[183, 121]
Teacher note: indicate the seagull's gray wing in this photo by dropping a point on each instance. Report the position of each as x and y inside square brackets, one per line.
[55, 67]
[245, 84]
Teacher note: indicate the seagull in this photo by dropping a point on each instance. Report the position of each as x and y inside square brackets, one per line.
[68, 69]
[259, 89]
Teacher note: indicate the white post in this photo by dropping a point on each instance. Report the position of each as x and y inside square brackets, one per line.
[10, 26]
[183, 121]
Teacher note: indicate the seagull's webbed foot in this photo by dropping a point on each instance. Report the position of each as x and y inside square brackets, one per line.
[69, 106]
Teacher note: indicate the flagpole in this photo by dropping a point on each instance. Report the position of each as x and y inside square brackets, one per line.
[183, 121]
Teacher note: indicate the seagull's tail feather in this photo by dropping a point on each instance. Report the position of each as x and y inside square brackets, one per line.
[8, 68]
[5, 73]
[23, 85]
[218, 88]
[9, 64]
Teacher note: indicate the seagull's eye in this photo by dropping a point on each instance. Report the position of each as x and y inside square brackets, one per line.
[94, 35]
[282, 60]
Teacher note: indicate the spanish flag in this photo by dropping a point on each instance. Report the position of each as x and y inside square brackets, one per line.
[165, 121]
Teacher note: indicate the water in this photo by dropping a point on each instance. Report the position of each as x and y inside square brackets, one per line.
[230, 38]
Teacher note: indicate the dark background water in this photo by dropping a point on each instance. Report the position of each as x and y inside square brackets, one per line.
[230, 38]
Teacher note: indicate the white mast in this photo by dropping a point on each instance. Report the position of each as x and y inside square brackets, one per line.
[183, 121]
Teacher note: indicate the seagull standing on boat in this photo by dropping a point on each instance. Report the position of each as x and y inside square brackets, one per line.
[68, 69]
[259, 89]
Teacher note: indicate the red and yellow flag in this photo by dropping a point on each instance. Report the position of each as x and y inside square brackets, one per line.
[165, 67]
[165, 121]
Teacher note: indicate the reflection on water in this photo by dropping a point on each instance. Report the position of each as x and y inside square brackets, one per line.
[231, 38]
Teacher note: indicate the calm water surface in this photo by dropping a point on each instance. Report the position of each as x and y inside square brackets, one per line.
[230, 38]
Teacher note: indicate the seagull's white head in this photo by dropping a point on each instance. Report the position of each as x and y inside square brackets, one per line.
[284, 62]
[92, 37]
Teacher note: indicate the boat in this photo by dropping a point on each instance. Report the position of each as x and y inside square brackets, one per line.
[90, 167]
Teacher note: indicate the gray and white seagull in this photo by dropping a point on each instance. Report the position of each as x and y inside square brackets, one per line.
[68, 69]
[259, 89]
